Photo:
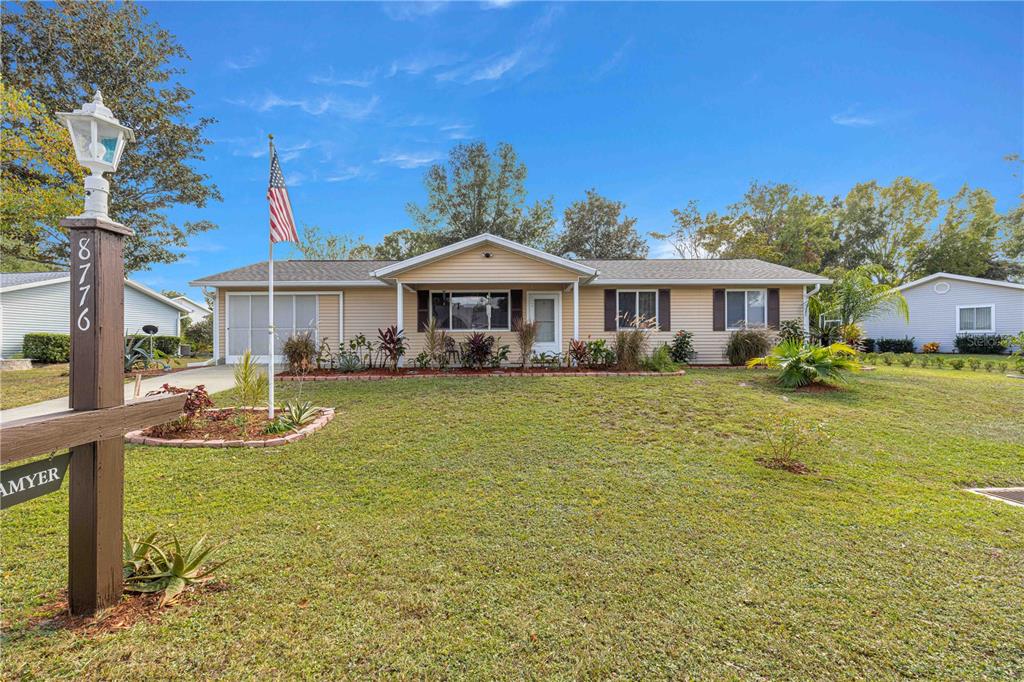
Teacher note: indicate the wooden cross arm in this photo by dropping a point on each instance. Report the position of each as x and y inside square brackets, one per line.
[23, 438]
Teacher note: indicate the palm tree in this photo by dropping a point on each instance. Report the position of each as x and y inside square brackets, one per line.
[857, 295]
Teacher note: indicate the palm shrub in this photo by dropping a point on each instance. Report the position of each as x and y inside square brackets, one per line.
[526, 337]
[857, 295]
[250, 382]
[745, 344]
[435, 343]
[801, 364]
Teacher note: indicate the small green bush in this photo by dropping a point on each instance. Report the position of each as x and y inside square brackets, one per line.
[746, 344]
[924, 360]
[939, 362]
[904, 345]
[888, 359]
[956, 363]
[300, 352]
[989, 344]
[681, 349]
[791, 330]
[660, 361]
[974, 364]
[47, 347]
[906, 359]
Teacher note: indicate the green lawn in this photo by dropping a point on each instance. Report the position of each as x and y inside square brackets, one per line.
[44, 382]
[575, 528]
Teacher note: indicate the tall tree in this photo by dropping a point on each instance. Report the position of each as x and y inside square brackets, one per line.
[773, 222]
[479, 192]
[41, 179]
[596, 228]
[315, 245]
[885, 225]
[59, 55]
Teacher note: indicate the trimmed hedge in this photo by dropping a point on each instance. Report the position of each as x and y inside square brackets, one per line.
[904, 345]
[991, 344]
[47, 346]
[166, 344]
[868, 345]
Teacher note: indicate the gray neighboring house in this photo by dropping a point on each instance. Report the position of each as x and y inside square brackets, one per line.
[41, 302]
[944, 305]
[197, 312]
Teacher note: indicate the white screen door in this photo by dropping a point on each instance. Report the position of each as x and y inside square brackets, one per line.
[544, 309]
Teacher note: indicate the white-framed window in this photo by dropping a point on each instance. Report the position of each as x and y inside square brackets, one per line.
[975, 319]
[249, 321]
[466, 311]
[634, 305]
[746, 308]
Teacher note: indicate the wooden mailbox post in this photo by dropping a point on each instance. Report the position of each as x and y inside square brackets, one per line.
[95, 425]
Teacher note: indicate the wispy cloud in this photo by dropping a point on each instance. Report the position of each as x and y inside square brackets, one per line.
[291, 152]
[853, 119]
[498, 4]
[456, 131]
[411, 11]
[419, 64]
[613, 61]
[363, 81]
[409, 159]
[346, 173]
[250, 59]
[314, 106]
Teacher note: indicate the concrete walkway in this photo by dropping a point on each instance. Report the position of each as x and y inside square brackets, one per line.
[215, 378]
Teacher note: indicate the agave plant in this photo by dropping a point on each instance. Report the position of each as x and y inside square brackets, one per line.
[802, 364]
[135, 353]
[172, 570]
[296, 414]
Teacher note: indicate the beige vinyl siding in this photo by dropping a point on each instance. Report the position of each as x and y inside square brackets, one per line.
[328, 312]
[369, 309]
[503, 266]
[691, 310]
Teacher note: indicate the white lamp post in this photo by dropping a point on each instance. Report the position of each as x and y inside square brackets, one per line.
[99, 141]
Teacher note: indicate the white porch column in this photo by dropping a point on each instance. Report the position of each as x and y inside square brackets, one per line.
[399, 306]
[576, 309]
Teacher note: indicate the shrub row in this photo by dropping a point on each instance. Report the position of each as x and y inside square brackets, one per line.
[47, 347]
[987, 344]
[164, 344]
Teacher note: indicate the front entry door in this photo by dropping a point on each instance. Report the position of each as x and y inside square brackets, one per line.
[545, 310]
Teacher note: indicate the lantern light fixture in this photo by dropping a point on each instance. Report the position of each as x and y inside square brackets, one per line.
[99, 140]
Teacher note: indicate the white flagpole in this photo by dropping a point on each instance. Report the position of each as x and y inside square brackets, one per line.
[270, 313]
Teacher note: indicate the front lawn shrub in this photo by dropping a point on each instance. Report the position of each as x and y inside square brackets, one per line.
[295, 415]
[149, 568]
[681, 349]
[746, 344]
[868, 345]
[578, 353]
[196, 400]
[974, 364]
[990, 365]
[660, 361]
[791, 330]
[500, 355]
[601, 355]
[924, 360]
[435, 342]
[199, 335]
[422, 360]
[526, 337]
[956, 363]
[300, 353]
[348, 361]
[391, 344]
[888, 359]
[631, 348]
[906, 359]
[169, 345]
[939, 362]
[986, 344]
[47, 347]
[930, 347]
[787, 438]
[250, 383]
[904, 345]
[851, 334]
[476, 350]
[802, 364]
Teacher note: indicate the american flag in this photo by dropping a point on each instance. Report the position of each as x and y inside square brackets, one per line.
[282, 222]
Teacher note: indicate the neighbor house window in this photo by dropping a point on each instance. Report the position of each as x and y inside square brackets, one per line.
[635, 306]
[977, 319]
[470, 310]
[746, 308]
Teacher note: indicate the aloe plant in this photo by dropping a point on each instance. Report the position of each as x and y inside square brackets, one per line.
[172, 570]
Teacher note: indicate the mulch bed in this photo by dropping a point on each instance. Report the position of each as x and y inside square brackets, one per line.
[219, 428]
[791, 465]
[413, 373]
[132, 609]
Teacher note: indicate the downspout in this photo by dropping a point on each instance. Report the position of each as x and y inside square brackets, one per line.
[807, 308]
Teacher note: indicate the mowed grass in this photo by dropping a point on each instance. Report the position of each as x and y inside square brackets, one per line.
[568, 528]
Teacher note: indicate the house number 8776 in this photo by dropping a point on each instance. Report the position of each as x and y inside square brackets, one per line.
[84, 264]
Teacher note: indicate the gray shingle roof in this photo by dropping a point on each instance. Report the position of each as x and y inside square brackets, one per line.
[654, 270]
[13, 279]
[695, 269]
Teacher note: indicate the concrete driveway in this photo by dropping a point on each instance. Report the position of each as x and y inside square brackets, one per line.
[215, 378]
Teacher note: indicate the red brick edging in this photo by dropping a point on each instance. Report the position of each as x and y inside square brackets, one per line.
[326, 415]
[456, 375]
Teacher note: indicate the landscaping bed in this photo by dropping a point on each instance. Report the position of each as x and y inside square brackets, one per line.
[228, 427]
[410, 372]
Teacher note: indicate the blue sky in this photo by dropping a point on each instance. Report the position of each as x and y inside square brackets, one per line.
[651, 104]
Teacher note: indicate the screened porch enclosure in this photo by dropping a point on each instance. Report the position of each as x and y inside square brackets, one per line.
[248, 322]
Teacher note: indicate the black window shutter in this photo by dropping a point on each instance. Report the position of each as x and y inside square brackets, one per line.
[611, 310]
[773, 308]
[422, 309]
[718, 310]
[516, 306]
[664, 310]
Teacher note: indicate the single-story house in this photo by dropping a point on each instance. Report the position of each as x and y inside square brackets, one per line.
[41, 302]
[197, 312]
[487, 282]
[945, 305]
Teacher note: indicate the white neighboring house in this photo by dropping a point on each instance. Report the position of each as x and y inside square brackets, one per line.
[944, 305]
[41, 302]
[197, 312]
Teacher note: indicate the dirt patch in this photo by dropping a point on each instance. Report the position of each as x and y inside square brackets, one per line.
[819, 388]
[791, 465]
[223, 424]
[131, 610]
